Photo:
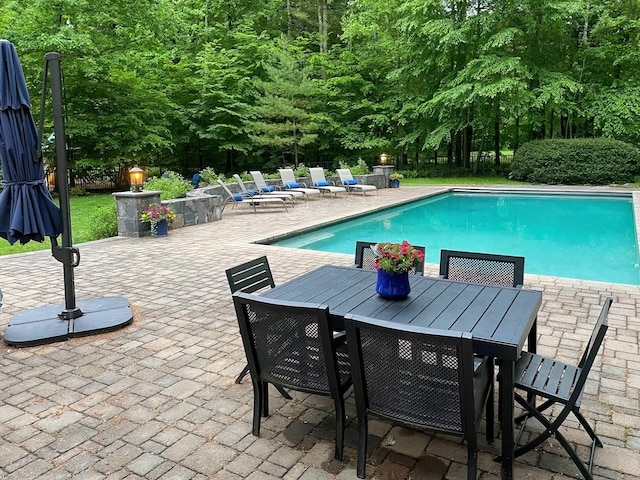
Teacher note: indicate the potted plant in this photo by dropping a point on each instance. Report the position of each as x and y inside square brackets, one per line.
[394, 179]
[159, 216]
[393, 262]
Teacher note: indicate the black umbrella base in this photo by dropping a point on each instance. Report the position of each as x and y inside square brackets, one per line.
[44, 325]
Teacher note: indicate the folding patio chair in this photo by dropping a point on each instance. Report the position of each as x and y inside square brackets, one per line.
[502, 270]
[420, 377]
[559, 383]
[320, 182]
[291, 344]
[238, 198]
[351, 184]
[366, 258]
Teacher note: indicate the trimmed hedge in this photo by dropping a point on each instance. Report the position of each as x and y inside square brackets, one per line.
[592, 161]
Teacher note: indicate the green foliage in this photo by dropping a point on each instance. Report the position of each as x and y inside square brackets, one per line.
[208, 176]
[360, 168]
[170, 184]
[598, 161]
[77, 192]
[103, 223]
[248, 84]
[301, 171]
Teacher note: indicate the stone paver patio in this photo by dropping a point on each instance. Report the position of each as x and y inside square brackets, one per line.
[157, 399]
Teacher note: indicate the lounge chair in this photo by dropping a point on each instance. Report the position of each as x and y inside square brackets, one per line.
[290, 185]
[237, 198]
[351, 184]
[286, 196]
[317, 177]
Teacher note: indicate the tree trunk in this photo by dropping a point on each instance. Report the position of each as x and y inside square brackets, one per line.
[496, 133]
[323, 26]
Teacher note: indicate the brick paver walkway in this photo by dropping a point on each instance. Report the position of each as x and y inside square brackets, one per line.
[157, 399]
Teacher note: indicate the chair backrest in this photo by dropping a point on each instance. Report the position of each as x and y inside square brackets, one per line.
[419, 376]
[258, 179]
[290, 344]
[250, 276]
[228, 192]
[287, 176]
[242, 186]
[597, 336]
[502, 270]
[345, 175]
[366, 258]
[317, 175]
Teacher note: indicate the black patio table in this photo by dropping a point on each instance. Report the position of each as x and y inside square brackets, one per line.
[500, 318]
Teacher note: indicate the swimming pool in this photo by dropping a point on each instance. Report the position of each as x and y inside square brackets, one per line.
[564, 235]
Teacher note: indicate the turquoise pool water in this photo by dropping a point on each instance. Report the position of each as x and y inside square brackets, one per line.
[575, 236]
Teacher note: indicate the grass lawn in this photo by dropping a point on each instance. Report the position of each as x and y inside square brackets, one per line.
[82, 211]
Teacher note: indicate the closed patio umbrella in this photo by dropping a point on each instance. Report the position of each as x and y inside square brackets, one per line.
[27, 211]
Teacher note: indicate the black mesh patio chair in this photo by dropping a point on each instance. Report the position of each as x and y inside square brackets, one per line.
[291, 344]
[558, 383]
[251, 277]
[423, 378]
[487, 268]
[365, 258]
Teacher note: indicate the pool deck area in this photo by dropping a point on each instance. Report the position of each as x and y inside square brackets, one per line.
[157, 399]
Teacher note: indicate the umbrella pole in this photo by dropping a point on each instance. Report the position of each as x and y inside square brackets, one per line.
[68, 255]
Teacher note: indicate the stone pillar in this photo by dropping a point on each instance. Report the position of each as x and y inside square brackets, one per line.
[129, 206]
[385, 170]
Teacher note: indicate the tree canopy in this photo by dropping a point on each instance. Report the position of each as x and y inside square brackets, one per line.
[239, 84]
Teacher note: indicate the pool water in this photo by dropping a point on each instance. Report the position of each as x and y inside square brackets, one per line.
[574, 236]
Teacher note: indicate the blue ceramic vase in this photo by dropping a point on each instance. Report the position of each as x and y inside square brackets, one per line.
[394, 286]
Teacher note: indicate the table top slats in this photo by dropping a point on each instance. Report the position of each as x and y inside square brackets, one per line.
[499, 318]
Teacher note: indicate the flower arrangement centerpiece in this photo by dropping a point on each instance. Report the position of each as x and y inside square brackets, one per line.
[397, 257]
[155, 214]
[393, 262]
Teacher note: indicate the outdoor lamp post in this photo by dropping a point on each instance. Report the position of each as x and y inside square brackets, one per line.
[383, 159]
[135, 178]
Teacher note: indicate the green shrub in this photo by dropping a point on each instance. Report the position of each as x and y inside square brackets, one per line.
[593, 161]
[208, 176]
[103, 223]
[170, 184]
[77, 192]
[360, 168]
[301, 171]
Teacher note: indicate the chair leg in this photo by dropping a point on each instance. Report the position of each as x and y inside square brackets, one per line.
[472, 458]
[588, 428]
[283, 392]
[242, 374]
[340, 420]
[490, 413]
[257, 407]
[265, 399]
[362, 445]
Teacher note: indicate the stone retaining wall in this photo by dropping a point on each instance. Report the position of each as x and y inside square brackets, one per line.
[193, 210]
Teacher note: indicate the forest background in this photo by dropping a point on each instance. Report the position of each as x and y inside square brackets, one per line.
[242, 84]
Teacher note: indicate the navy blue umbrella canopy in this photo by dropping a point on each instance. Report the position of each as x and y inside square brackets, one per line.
[27, 211]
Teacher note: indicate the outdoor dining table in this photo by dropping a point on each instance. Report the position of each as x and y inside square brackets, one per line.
[500, 318]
